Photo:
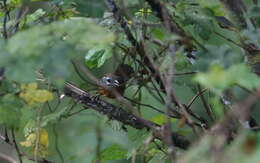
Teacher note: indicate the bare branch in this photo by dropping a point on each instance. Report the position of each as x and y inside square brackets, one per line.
[119, 114]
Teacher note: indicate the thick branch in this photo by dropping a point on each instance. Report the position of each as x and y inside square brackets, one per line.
[106, 108]
[117, 113]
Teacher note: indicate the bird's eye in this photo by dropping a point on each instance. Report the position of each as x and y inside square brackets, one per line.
[109, 80]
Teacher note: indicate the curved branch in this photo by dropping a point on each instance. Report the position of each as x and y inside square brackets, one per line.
[119, 114]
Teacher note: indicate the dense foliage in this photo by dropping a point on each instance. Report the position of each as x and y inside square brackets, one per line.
[193, 97]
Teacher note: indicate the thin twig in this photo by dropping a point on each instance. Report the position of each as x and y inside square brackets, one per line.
[19, 16]
[159, 147]
[196, 96]
[99, 141]
[80, 75]
[56, 137]
[206, 106]
[16, 147]
[229, 40]
[154, 95]
[76, 112]
[57, 143]
[158, 92]
[168, 21]
[149, 106]
[119, 114]
[185, 73]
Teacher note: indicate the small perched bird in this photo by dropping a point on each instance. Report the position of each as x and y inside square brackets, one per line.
[113, 84]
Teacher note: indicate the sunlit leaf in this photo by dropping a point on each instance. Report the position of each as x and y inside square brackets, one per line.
[216, 79]
[32, 95]
[41, 139]
[30, 140]
[159, 119]
[114, 152]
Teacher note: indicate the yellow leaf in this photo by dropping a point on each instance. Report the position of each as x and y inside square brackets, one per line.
[42, 96]
[30, 140]
[32, 95]
[30, 86]
[129, 22]
[44, 138]
[43, 142]
[159, 119]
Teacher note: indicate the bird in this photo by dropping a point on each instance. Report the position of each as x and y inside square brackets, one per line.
[113, 84]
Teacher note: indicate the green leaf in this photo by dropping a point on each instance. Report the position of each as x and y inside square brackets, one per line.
[215, 6]
[114, 152]
[10, 110]
[8, 86]
[254, 12]
[246, 78]
[158, 33]
[217, 107]
[28, 113]
[31, 94]
[14, 3]
[159, 119]
[96, 57]
[203, 30]
[216, 79]
[219, 79]
[31, 124]
[158, 156]
[182, 62]
[203, 26]
[138, 138]
[36, 15]
[53, 116]
[223, 55]
[51, 47]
